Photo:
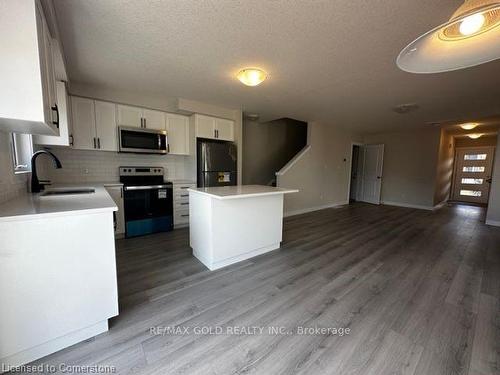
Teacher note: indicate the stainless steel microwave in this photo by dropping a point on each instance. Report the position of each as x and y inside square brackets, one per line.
[142, 141]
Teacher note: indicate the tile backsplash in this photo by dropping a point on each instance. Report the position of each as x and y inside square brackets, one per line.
[80, 166]
[11, 185]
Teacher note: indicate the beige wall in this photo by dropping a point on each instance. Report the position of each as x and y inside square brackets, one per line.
[321, 174]
[410, 162]
[11, 185]
[493, 214]
[444, 173]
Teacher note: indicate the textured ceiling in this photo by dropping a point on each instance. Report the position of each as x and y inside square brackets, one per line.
[328, 60]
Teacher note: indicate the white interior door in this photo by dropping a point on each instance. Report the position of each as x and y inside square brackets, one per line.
[473, 168]
[373, 161]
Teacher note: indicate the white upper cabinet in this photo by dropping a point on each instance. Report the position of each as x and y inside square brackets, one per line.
[204, 126]
[129, 116]
[65, 130]
[177, 134]
[83, 119]
[140, 117]
[214, 128]
[28, 101]
[105, 124]
[94, 124]
[153, 119]
[225, 129]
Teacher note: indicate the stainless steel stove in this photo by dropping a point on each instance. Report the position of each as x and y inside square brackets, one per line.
[148, 200]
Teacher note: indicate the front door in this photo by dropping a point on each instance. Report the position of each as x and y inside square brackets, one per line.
[373, 160]
[472, 180]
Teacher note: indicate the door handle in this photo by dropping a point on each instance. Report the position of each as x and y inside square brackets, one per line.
[56, 109]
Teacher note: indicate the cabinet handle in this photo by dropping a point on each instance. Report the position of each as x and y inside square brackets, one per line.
[184, 195]
[72, 140]
[95, 143]
[184, 204]
[215, 133]
[185, 215]
[121, 193]
[145, 123]
[98, 143]
[141, 123]
[168, 147]
[56, 109]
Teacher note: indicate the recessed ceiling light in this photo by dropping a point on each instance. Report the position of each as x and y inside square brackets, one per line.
[474, 136]
[251, 76]
[469, 38]
[469, 126]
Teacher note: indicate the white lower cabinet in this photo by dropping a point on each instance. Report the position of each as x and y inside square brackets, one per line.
[181, 203]
[116, 192]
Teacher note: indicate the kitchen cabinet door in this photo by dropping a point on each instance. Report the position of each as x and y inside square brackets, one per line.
[83, 118]
[65, 132]
[178, 134]
[116, 192]
[153, 119]
[205, 126]
[28, 94]
[105, 122]
[225, 129]
[128, 116]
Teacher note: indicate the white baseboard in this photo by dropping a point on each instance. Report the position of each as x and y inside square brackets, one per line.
[315, 208]
[408, 205]
[494, 223]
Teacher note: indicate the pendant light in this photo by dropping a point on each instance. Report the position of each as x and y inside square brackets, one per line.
[471, 37]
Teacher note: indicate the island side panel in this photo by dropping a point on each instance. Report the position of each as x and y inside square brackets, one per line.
[245, 227]
[200, 227]
[57, 278]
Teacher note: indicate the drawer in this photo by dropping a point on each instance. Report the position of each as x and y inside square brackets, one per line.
[183, 187]
[181, 205]
[181, 217]
[181, 195]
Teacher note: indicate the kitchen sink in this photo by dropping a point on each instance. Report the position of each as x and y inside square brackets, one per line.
[68, 191]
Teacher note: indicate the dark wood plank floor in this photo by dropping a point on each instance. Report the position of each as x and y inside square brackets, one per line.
[418, 290]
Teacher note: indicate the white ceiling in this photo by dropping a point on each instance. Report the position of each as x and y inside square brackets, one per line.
[328, 60]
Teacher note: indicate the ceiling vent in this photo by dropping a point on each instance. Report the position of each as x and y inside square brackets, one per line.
[405, 108]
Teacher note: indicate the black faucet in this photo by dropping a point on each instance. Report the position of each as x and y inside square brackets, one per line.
[36, 186]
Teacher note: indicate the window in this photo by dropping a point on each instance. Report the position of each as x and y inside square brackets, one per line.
[473, 169]
[472, 181]
[22, 149]
[470, 193]
[475, 157]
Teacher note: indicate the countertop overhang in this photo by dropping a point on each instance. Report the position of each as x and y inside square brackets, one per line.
[241, 191]
[34, 206]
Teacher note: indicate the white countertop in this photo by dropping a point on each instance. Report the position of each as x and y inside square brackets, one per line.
[241, 191]
[34, 206]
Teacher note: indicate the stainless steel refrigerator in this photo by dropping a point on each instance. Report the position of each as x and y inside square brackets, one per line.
[216, 163]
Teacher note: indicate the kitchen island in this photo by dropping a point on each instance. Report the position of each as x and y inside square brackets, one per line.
[233, 223]
[58, 281]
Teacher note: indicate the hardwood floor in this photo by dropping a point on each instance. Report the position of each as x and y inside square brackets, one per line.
[419, 292]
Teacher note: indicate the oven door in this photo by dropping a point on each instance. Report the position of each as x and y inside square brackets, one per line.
[144, 141]
[148, 209]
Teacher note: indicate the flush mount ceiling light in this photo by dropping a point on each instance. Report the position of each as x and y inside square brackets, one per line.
[469, 38]
[251, 76]
[474, 136]
[469, 126]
